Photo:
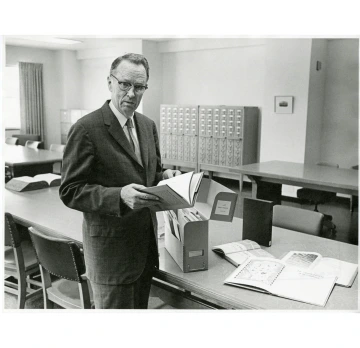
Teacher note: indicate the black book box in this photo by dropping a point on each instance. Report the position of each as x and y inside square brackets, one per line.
[257, 221]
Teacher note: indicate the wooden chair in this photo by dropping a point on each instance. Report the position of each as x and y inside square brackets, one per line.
[20, 263]
[64, 260]
[12, 141]
[297, 219]
[317, 197]
[32, 144]
[57, 148]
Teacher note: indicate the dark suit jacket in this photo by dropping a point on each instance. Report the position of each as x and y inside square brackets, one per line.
[98, 162]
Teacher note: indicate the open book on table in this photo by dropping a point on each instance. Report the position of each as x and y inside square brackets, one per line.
[275, 277]
[345, 271]
[28, 183]
[177, 192]
[238, 252]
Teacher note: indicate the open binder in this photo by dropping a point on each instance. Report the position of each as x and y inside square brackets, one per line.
[190, 250]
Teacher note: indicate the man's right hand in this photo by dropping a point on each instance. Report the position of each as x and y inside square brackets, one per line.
[135, 199]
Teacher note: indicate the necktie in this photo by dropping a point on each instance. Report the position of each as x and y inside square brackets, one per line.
[130, 126]
[133, 142]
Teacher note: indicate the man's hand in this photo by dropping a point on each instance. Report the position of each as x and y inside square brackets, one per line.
[136, 199]
[169, 173]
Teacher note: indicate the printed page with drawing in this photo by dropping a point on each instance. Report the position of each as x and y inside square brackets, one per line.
[344, 271]
[273, 276]
[239, 252]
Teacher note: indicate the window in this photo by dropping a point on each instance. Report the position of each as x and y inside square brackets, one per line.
[11, 97]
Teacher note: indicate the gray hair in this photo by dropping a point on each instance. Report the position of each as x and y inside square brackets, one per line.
[135, 58]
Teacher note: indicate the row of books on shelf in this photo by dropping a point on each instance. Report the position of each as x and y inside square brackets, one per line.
[300, 275]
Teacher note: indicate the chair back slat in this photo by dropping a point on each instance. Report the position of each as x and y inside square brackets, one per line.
[32, 144]
[297, 219]
[12, 235]
[24, 137]
[12, 141]
[60, 257]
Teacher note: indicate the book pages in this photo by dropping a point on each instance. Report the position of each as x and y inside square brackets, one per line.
[239, 258]
[304, 286]
[49, 178]
[237, 246]
[180, 184]
[275, 277]
[344, 271]
[194, 186]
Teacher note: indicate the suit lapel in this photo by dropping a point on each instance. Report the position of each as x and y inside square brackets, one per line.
[142, 135]
[116, 130]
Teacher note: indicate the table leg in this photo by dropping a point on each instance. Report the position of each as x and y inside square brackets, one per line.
[354, 202]
[265, 190]
[241, 181]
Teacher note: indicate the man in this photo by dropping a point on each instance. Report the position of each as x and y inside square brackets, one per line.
[111, 154]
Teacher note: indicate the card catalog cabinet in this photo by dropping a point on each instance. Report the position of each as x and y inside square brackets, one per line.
[217, 137]
[67, 119]
[178, 135]
[228, 136]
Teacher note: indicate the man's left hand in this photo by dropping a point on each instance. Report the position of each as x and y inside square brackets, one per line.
[169, 173]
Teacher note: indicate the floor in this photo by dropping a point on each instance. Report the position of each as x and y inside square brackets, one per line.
[346, 226]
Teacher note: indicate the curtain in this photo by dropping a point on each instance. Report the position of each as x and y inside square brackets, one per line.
[31, 99]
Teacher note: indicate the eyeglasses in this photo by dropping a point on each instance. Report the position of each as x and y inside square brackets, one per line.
[126, 86]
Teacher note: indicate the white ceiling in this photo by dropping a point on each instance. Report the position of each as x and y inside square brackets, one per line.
[86, 41]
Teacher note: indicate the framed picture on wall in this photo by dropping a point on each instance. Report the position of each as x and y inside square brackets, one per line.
[284, 104]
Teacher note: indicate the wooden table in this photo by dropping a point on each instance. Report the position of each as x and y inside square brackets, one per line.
[44, 210]
[267, 178]
[24, 161]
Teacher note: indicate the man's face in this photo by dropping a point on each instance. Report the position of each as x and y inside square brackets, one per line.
[127, 102]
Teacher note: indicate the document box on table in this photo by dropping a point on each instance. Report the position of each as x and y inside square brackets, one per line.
[214, 202]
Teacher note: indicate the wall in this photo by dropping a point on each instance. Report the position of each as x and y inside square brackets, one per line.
[5, 133]
[93, 82]
[340, 135]
[94, 69]
[216, 75]
[287, 63]
[251, 73]
[69, 81]
[51, 85]
[153, 95]
[283, 136]
[316, 101]
[9, 132]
